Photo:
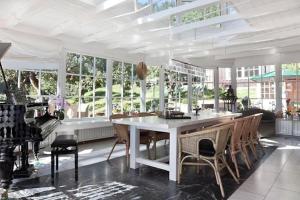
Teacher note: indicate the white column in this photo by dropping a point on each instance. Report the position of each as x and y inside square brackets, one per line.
[61, 75]
[216, 86]
[190, 94]
[233, 79]
[108, 94]
[278, 87]
[161, 89]
[143, 95]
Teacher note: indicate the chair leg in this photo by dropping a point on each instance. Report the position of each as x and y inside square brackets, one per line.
[112, 150]
[127, 150]
[229, 169]
[233, 157]
[56, 161]
[245, 152]
[76, 164]
[154, 149]
[52, 165]
[253, 150]
[218, 177]
[148, 151]
[179, 167]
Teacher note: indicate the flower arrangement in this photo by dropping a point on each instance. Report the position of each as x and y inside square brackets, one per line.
[60, 105]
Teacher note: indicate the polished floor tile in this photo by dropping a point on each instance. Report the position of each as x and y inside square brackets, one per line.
[278, 178]
[281, 194]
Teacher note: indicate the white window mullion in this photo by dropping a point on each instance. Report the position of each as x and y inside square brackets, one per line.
[122, 86]
[94, 85]
[132, 84]
[80, 86]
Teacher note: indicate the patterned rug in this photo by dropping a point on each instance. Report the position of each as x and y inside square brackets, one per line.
[114, 180]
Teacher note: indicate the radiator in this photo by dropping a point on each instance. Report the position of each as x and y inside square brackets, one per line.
[84, 135]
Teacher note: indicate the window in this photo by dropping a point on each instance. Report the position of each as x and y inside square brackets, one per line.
[208, 89]
[224, 82]
[290, 77]
[195, 15]
[160, 5]
[85, 86]
[197, 85]
[239, 72]
[125, 88]
[12, 81]
[37, 84]
[257, 88]
[152, 92]
[142, 3]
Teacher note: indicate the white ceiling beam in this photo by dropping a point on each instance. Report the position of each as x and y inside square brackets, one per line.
[195, 42]
[229, 51]
[165, 14]
[182, 28]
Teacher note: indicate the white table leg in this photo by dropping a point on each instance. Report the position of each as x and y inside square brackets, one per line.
[173, 154]
[134, 146]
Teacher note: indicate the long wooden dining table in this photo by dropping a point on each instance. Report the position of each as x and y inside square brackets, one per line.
[172, 126]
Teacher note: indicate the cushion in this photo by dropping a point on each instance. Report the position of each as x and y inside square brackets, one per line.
[206, 148]
[64, 141]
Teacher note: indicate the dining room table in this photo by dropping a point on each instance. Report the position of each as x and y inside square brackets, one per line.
[173, 126]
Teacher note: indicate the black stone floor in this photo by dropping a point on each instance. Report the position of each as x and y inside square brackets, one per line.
[114, 180]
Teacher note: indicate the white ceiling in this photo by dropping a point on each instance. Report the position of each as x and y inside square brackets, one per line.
[114, 28]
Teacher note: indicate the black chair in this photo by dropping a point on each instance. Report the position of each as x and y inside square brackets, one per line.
[64, 144]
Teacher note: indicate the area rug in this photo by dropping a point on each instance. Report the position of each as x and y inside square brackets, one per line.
[114, 180]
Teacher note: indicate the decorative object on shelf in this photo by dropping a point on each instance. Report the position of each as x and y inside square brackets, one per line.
[141, 70]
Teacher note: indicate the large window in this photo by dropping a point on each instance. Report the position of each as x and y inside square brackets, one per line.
[85, 86]
[176, 89]
[125, 88]
[224, 82]
[38, 85]
[152, 85]
[203, 90]
[256, 87]
[290, 77]
[197, 87]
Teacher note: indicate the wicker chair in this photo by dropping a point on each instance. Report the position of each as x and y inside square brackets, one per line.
[122, 134]
[155, 136]
[254, 138]
[246, 137]
[208, 146]
[235, 145]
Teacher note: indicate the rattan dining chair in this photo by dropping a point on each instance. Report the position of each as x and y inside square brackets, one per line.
[246, 137]
[122, 136]
[254, 137]
[235, 145]
[154, 135]
[208, 146]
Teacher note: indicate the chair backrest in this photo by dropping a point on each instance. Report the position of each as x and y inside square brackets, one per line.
[246, 133]
[122, 132]
[235, 141]
[189, 143]
[256, 121]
